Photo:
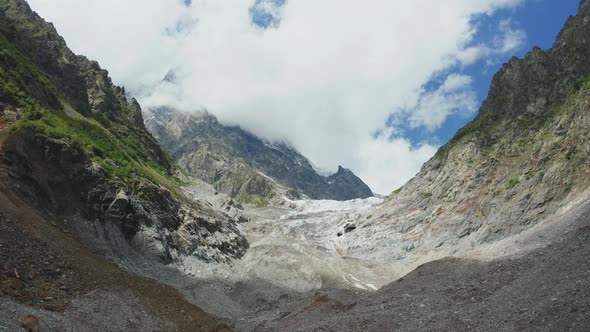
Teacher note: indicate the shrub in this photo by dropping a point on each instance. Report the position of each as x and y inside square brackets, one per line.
[512, 183]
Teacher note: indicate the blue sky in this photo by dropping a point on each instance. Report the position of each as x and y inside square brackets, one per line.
[541, 20]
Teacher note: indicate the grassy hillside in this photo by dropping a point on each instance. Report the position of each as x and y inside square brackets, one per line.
[64, 96]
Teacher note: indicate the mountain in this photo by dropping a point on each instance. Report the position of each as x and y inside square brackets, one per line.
[521, 160]
[84, 187]
[242, 165]
[101, 230]
[78, 144]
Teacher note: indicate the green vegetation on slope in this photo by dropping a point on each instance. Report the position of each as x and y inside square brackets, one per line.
[21, 82]
[125, 158]
[111, 138]
[512, 183]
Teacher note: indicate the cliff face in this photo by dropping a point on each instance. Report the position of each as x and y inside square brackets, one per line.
[243, 165]
[521, 160]
[73, 144]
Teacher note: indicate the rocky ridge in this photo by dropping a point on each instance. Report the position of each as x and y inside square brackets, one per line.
[242, 165]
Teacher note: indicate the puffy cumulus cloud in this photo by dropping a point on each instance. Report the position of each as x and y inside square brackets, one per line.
[324, 76]
[454, 96]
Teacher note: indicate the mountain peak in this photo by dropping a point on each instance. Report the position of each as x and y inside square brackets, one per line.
[346, 185]
[234, 159]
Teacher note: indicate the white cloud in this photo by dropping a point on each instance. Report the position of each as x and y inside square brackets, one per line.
[508, 40]
[327, 77]
[454, 96]
[472, 54]
[512, 39]
[388, 163]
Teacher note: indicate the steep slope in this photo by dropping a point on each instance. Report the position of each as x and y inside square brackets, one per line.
[240, 164]
[74, 152]
[524, 158]
[47, 273]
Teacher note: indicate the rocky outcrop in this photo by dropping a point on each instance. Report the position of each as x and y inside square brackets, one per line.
[61, 180]
[243, 165]
[44, 69]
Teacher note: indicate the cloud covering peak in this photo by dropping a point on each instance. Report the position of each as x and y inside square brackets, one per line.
[325, 76]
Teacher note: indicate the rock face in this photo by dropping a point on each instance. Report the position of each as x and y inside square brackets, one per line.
[521, 160]
[243, 165]
[79, 147]
[344, 185]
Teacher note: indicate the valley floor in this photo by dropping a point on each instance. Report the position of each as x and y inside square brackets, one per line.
[538, 280]
[547, 289]
[297, 276]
